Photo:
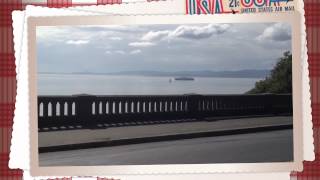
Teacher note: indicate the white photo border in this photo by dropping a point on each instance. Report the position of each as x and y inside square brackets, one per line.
[293, 18]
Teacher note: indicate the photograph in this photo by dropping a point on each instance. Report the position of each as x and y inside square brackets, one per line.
[155, 94]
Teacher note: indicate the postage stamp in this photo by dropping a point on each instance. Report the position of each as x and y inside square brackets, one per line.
[239, 6]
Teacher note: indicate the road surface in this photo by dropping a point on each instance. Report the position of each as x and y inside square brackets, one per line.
[273, 146]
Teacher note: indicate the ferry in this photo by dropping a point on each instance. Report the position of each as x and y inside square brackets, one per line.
[184, 79]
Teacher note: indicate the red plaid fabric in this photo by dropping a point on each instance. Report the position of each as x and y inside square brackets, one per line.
[99, 2]
[312, 14]
[59, 3]
[8, 81]
[7, 86]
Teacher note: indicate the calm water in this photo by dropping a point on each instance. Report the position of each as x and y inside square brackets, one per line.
[57, 84]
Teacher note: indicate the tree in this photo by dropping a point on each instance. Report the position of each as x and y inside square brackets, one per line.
[279, 80]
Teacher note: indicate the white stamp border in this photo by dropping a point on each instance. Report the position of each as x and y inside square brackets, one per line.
[292, 18]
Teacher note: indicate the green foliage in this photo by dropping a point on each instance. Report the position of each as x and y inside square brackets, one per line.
[279, 80]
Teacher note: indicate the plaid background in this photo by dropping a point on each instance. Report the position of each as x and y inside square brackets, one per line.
[8, 79]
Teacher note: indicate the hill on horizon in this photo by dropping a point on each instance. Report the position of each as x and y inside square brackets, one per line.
[247, 73]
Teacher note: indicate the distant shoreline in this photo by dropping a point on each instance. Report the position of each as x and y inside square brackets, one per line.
[168, 76]
[218, 74]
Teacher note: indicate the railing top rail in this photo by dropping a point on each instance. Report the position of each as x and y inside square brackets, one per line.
[53, 96]
[170, 95]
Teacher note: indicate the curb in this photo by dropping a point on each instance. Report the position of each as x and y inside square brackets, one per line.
[170, 137]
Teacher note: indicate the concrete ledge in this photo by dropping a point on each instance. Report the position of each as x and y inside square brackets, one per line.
[168, 137]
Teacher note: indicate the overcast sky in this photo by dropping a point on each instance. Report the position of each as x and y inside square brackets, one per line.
[161, 47]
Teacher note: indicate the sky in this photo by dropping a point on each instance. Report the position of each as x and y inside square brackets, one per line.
[192, 47]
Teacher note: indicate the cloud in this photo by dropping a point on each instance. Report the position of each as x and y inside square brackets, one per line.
[51, 35]
[115, 52]
[187, 32]
[141, 44]
[77, 42]
[163, 50]
[137, 51]
[119, 52]
[48, 32]
[198, 32]
[276, 32]
[116, 28]
[116, 38]
[154, 35]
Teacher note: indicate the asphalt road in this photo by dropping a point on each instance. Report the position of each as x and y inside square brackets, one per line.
[274, 146]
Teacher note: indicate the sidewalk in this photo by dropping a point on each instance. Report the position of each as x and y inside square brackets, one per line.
[85, 138]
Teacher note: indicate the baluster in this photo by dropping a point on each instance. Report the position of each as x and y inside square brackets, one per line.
[208, 105]
[133, 106]
[176, 105]
[183, 105]
[58, 110]
[114, 107]
[141, 107]
[127, 106]
[168, 105]
[160, 105]
[44, 109]
[74, 108]
[186, 105]
[66, 109]
[157, 104]
[179, 104]
[120, 106]
[171, 105]
[163, 105]
[39, 108]
[92, 108]
[98, 107]
[49, 107]
[147, 106]
[151, 105]
[203, 105]
[108, 107]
